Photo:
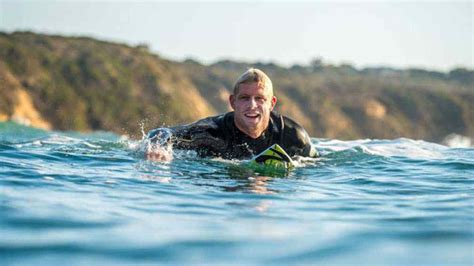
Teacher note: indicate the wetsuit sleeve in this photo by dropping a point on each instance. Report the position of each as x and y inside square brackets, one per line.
[307, 149]
[200, 136]
[297, 140]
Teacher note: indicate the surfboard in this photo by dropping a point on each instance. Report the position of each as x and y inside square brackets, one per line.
[274, 157]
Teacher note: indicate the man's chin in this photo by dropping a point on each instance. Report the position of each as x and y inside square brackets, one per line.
[252, 123]
[250, 126]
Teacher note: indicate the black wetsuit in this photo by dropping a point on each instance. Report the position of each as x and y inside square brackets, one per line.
[219, 137]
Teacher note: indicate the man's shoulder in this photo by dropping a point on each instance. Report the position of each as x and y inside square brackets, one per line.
[212, 121]
[291, 122]
[295, 129]
[295, 136]
[286, 123]
[219, 126]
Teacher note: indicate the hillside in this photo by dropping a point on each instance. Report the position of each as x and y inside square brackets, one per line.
[345, 103]
[84, 84]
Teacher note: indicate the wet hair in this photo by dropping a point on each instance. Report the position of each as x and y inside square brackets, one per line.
[253, 75]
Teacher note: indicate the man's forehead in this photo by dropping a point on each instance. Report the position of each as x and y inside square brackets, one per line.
[250, 87]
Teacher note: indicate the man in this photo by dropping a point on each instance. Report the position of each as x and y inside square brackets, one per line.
[247, 131]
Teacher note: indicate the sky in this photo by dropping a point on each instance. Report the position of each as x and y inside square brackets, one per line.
[401, 34]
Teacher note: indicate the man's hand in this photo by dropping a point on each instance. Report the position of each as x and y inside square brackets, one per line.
[159, 145]
[158, 154]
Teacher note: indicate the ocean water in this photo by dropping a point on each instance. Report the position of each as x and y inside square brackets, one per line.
[91, 199]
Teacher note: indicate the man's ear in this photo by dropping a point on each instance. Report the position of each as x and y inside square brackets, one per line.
[273, 102]
[232, 101]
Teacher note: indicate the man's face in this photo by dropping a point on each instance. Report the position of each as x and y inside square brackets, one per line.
[252, 105]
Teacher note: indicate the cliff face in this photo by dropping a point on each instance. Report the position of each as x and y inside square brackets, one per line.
[85, 84]
[17, 104]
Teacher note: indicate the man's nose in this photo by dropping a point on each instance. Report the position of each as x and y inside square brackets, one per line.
[253, 102]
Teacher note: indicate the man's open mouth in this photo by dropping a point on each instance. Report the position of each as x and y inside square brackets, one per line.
[253, 116]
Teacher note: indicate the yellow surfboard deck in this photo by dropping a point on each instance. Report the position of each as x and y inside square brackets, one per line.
[274, 157]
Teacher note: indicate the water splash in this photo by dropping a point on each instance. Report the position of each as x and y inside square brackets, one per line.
[458, 141]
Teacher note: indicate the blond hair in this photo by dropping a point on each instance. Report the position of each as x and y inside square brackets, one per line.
[254, 75]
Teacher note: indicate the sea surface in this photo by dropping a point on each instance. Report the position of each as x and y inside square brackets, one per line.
[92, 199]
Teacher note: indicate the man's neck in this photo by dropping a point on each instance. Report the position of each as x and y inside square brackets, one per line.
[254, 134]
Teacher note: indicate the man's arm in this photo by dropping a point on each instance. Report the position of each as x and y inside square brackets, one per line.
[198, 136]
[309, 150]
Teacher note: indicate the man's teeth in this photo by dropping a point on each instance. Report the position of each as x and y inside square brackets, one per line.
[252, 116]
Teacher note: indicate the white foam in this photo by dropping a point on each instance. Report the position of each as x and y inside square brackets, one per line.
[59, 139]
[340, 145]
[406, 148]
[458, 141]
[90, 145]
[398, 147]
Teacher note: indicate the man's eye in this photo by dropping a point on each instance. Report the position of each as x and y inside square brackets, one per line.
[244, 97]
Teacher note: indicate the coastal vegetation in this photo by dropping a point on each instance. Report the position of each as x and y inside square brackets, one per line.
[79, 83]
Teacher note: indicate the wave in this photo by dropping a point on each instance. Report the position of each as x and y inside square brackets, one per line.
[454, 140]
[388, 148]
